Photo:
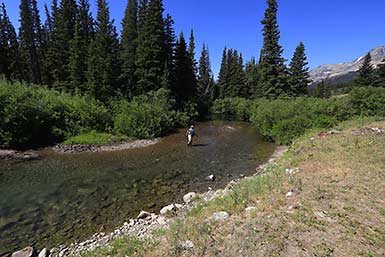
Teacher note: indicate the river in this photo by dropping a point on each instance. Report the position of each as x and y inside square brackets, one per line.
[62, 198]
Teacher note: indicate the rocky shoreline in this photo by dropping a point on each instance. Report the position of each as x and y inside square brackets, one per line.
[77, 148]
[18, 155]
[74, 149]
[143, 226]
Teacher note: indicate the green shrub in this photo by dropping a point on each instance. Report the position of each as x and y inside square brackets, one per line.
[146, 116]
[368, 101]
[33, 116]
[285, 119]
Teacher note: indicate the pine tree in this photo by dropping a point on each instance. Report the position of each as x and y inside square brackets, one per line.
[103, 62]
[299, 72]
[129, 45]
[79, 46]
[273, 79]
[243, 90]
[251, 78]
[185, 87]
[321, 90]
[170, 40]
[191, 51]
[65, 21]
[223, 74]
[51, 62]
[365, 73]
[204, 83]
[150, 54]
[29, 43]
[9, 47]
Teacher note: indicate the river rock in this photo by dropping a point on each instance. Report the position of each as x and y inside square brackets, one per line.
[43, 253]
[168, 208]
[219, 216]
[26, 252]
[187, 198]
[143, 215]
[210, 178]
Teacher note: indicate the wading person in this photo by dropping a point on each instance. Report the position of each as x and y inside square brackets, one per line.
[191, 133]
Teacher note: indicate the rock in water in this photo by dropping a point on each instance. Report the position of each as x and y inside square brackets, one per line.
[187, 198]
[219, 216]
[26, 252]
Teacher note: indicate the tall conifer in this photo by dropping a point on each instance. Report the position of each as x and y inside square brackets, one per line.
[204, 83]
[299, 72]
[103, 62]
[365, 73]
[150, 54]
[273, 79]
[185, 84]
[129, 45]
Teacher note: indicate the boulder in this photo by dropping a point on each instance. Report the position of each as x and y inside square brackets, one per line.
[168, 208]
[187, 198]
[210, 178]
[26, 252]
[219, 216]
[43, 253]
[143, 215]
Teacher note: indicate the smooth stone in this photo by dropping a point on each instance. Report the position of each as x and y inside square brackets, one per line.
[143, 215]
[187, 245]
[26, 252]
[43, 253]
[250, 209]
[219, 216]
[289, 194]
[187, 198]
[166, 209]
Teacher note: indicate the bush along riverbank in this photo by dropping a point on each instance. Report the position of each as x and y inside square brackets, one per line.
[34, 116]
[283, 120]
[320, 198]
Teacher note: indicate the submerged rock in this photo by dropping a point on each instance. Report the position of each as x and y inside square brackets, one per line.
[26, 252]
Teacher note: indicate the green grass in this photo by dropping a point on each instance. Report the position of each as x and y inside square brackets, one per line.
[95, 138]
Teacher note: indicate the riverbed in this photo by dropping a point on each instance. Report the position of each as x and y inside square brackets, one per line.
[62, 198]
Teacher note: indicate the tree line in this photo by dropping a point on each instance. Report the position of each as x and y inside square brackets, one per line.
[73, 52]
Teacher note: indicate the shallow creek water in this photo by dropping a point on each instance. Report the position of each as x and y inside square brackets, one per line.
[63, 198]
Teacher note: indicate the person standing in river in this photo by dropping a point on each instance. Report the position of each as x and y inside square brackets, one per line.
[191, 133]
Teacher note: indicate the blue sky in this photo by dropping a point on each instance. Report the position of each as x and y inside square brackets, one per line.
[333, 30]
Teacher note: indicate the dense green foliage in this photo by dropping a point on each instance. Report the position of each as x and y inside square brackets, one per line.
[35, 116]
[147, 116]
[31, 115]
[285, 119]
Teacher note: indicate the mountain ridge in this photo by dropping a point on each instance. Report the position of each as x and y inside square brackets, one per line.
[334, 72]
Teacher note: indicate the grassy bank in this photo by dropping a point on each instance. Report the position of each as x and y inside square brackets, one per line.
[335, 206]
